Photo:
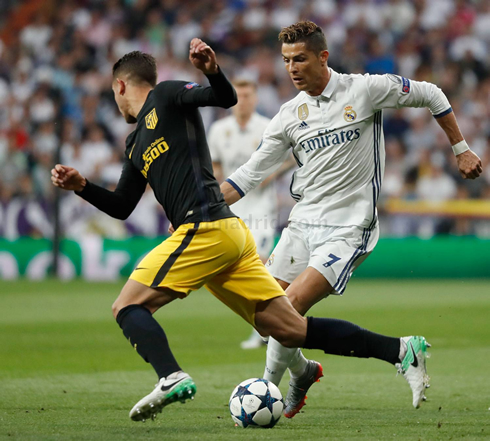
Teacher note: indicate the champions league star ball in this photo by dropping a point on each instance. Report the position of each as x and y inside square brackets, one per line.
[256, 403]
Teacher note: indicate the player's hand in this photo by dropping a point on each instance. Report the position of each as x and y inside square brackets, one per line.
[469, 165]
[67, 178]
[203, 57]
[171, 229]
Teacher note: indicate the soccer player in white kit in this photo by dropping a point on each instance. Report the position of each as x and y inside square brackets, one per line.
[334, 129]
[231, 141]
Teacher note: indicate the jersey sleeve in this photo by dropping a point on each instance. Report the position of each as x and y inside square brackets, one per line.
[220, 92]
[121, 202]
[271, 153]
[394, 91]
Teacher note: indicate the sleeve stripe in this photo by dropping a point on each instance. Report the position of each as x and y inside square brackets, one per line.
[446, 112]
[236, 187]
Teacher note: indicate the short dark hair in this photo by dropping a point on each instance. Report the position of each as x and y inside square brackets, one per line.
[305, 32]
[138, 66]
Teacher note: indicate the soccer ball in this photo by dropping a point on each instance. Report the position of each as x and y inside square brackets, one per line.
[256, 403]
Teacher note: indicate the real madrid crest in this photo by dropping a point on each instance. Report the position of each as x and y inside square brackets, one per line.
[349, 114]
[303, 112]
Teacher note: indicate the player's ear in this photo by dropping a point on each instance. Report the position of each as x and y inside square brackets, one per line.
[120, 86]
[324, 57]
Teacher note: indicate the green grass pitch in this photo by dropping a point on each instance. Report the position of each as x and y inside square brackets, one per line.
[66, 371]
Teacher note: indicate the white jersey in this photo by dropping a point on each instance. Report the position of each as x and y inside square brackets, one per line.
[337, 141]
[232, 146]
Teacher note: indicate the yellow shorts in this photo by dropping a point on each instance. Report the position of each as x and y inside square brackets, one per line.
[220, 255]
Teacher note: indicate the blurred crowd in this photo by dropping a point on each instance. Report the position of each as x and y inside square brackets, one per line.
[56, 99]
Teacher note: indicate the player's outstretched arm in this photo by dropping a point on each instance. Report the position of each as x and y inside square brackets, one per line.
[469, 164]
[67, 178]
[119, 203]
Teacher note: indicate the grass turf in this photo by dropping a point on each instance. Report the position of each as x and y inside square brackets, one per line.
[66, 372]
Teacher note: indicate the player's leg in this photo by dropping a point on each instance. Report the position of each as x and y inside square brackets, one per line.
[330, 259]
[287, 261]
[176, 267]
[339, 337]
[249, 290]
[307, 289]
[133, 310]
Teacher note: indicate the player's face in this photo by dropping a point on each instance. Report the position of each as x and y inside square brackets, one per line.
[306, 68]
[247, 101]
[119, 88]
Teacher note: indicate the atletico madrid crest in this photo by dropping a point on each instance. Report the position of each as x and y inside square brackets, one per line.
[151, 119]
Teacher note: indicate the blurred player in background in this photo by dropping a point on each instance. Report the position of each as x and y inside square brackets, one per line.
[334, 127]
[231, 141]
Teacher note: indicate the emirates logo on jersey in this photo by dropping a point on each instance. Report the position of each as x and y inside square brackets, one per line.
[349, 114]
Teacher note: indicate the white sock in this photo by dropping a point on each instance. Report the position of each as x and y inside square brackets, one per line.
[278, 360]
[298, 364]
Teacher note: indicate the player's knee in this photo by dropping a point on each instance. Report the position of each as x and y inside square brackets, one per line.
[115, 309]
[117, 306]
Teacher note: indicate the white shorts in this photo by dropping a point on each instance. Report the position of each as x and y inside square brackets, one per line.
[333, 251]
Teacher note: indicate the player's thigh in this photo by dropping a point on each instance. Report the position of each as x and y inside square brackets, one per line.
[245, 284]
[135, 293]
[278, 318]
[341, 252]
[193, 254]
[290, 256]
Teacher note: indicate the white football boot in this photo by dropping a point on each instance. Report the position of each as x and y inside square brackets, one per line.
[178, 386]
[413, 367]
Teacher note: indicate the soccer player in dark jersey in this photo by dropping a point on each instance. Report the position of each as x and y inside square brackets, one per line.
[210, 246]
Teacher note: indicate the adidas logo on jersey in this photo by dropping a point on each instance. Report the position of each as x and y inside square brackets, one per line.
[303, 126]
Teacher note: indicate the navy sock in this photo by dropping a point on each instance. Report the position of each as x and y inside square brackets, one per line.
[148, 338]
[339, 337]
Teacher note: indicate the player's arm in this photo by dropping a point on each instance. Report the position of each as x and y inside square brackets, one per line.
[271, 153]
[392, 91]
[119, 203]
[287, 165]
[220, 93]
